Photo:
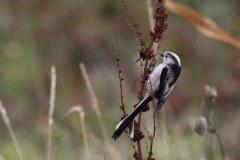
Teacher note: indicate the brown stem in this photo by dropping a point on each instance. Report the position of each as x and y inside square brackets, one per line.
[140, 114]
[141, 96]
[154, 129]
[119, 75]
[134, 22]
[152, 137]
[221, 144]
[214, 130]
[213, 147]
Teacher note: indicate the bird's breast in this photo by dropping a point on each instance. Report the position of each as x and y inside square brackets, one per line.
[154, 78]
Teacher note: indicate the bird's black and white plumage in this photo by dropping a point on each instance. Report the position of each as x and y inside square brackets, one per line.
[160, 84]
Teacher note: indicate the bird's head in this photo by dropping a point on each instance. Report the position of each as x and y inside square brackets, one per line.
[170, 58]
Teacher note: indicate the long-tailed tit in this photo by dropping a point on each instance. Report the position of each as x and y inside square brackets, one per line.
[160, 84]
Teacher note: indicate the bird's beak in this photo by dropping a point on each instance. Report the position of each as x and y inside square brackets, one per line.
[161, 54]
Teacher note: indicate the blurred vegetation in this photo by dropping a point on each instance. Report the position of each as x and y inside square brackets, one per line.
[35, 35]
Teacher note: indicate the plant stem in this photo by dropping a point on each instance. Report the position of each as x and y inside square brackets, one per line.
[221, 144]
[10, 130]
[140, 114]
[51, 111]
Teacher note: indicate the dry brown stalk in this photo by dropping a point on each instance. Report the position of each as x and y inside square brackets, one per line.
[140, 114]
[10, 130]
[96, 109]
[213, 130]
[51, 111]
[213, 147]
[151, 20]
[151, 137]
[211, 94]
[94, 101]
[220, 144]
[108, 148]
[135, 25]
[133, 145]
[81, 113]
[119, 76]
[136, 39]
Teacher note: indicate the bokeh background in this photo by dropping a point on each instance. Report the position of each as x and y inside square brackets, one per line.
[35, 35]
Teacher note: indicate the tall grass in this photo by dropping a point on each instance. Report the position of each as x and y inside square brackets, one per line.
[51, 111]
[10, 130]
[79, 110]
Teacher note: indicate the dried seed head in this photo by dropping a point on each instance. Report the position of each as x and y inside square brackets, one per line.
[201, 126]
[211, 92]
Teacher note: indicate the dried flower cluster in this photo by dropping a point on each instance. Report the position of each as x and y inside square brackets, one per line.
[203, 126]
[161, 25]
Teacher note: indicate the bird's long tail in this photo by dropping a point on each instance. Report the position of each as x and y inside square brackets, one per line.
[129, 119]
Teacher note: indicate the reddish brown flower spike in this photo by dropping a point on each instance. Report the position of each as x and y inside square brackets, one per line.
[136, 155]
[138, 134]
[146, 108]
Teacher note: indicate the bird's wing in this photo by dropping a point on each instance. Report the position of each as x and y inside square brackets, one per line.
[164, 98]
[164, 89]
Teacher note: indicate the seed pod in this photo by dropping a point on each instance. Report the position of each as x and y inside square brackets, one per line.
[201, 126]
[211, 92]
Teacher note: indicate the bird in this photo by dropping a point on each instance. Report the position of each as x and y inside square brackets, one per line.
[160, 84]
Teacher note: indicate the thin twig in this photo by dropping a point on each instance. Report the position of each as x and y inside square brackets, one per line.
[133, 145]
[213, 130]
[104, 156]
[136, 39]
[94, 101]
[119, 75]
[90, 89]
[10, 130]
[134, 84]
[151, 20]
[146, 145]
[135, 24]
[146, 130]
[81, 113]
[213, 147]
[220, 144]
[97, 110]
[51, 111]
[140, 114]
[154, 123]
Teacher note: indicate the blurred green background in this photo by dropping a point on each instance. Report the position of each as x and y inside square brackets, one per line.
[38, 34]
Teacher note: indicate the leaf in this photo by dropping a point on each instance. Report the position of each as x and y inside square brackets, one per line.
[202, 23]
